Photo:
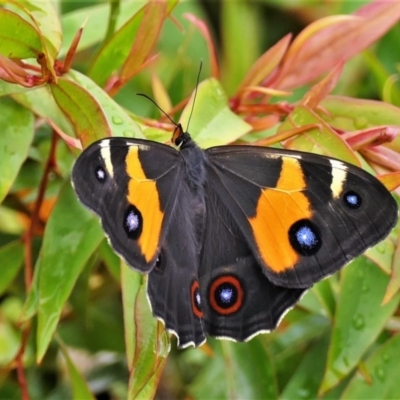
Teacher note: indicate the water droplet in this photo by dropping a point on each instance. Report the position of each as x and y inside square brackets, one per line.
[361, 274]
[381, 248]
[303, 393]
[128, 133]
[385, 357]
[361, 122]
[117, 120]
[345, 361]
[365, 288]
[380, 373]
[358, 321]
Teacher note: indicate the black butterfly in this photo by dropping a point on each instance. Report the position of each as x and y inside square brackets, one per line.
[231, 236]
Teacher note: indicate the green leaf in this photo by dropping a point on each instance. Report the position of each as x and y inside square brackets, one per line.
[41, 102]
[118, 119]
[15, 140]
[237, 371]
[110, 259]
[359, 318]
[303, 384]
[153, 18]
[212, 122]
[94, 19]
[151, 346]
[72, 234]
[18, 38]
[320, 299]
[82, 109]
[348, 114]
[383, 369]
[80, 389]
[320, 141]
[11, 256]
[243, 380]
[246, 42]
[130, 285]
[48, 25]
[116, 50]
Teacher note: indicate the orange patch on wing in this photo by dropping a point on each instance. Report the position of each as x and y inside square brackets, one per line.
[277, 210]
[143, 194]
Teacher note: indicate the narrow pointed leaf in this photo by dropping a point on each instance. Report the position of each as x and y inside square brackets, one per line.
[18, 38]
[267, 63]
[359, 319]
[383, 368]
[321, 141]
[212, 122]
[115, 51]
[94, 19]
[72, 234]
[151, 348]
[80, 389]
[350, 114]
[11, 256]
[118, 119]
[82, 109]
[130, 285]
[15, 140]
[303, 384]
[45, 19]
[320, 46]
[145, 38]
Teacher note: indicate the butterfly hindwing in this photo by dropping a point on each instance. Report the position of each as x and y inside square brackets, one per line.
[303, 215]
[131, 185]
[173, 286]
[237, 298]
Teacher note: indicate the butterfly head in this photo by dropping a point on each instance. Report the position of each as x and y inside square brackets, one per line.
[180, 137]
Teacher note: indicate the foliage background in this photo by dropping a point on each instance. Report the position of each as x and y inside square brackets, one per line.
[62, 329]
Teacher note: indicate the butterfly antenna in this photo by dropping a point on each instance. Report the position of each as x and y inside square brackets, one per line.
[149, 98]
[195, 95]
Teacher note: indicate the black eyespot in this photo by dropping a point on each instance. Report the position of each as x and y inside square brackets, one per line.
[100, 174]
[352, 199]
[158, 267]
[305, 238]
[226, 295]
[133, 222]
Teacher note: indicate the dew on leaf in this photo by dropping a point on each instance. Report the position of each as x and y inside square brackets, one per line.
[380, 373]
[117, 120]
[358, 321]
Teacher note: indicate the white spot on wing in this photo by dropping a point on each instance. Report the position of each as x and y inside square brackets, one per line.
[339, 175]
[106, 156]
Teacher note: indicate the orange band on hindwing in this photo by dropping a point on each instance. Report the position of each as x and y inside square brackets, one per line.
[143, 194]
[277, 210]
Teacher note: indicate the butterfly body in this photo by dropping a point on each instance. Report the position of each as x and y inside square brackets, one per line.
[231, 236]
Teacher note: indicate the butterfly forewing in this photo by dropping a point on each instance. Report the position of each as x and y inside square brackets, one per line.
[131, 184]
[303, 215]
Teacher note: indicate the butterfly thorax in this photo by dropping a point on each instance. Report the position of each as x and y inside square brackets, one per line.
[195, 178]
[195, 160]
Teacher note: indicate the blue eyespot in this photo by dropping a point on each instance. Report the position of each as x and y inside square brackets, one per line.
[352, 199]
[226, 294]
[305, 238]
[133, 222]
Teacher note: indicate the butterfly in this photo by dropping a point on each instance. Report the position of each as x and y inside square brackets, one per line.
[231, 236]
